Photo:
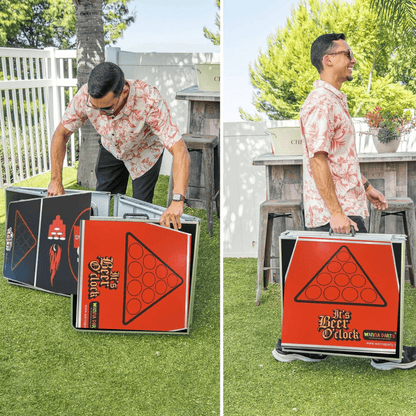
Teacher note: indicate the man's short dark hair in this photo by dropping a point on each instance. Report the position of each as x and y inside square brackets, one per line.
[106, 77]
[322, 46]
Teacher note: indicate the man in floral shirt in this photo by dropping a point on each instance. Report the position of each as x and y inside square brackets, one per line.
[135, 126]
[334, 191]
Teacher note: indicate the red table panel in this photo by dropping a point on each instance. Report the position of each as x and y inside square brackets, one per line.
[342, 295]
[135, 276]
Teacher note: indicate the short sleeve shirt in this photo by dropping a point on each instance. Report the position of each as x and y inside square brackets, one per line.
[326, 126]
[138, 134]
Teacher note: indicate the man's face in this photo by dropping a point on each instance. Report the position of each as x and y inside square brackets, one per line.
[343, 61]
[108, 104]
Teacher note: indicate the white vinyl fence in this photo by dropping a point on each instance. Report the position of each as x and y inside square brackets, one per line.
[35, 87]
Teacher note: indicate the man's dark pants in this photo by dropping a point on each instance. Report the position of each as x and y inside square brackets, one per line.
[112, 176]
[356, 219]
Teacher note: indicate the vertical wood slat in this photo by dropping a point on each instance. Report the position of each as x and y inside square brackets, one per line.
[71, 95]
[39, 68]
[61, 76]
[4, 169]
[35, 116]
[4, 165]
[48, 112]
[9, 124]
[62, 97]
[26, 167]
[19, 169]
[29, 119]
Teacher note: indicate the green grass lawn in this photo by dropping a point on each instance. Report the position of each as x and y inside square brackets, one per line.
[48, 368]
[256, 384]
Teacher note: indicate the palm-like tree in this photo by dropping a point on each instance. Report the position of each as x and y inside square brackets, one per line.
[402, 12]
[90, 52]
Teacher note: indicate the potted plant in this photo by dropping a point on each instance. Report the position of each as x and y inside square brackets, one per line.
[387, 128]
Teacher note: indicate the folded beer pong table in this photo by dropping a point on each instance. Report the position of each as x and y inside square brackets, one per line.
[135, 276]
[342, 294]
[125, 272]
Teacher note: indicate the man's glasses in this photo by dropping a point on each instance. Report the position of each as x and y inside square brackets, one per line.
[348, 53]
[109, 111]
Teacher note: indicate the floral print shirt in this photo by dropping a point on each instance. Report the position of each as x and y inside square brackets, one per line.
[326, 126]
[137, 135]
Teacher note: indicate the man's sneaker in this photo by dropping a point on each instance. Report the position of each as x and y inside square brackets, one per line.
[287, 357]
[408, 361]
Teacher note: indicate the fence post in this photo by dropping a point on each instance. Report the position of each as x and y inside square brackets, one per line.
[112, 54]
[54, 102]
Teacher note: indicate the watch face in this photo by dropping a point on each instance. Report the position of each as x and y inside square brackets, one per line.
[177, 197]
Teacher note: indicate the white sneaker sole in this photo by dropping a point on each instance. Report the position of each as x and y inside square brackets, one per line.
[287, 358]
[393, 366]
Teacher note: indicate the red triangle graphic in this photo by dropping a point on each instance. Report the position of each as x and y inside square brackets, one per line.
[24, 240]
[147, 279]
[343, 281]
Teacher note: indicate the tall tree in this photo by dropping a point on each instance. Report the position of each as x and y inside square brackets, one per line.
[402, 15]
[283, 76]
[90, 52]
[42, 23]
[401, 12]
[215, 37]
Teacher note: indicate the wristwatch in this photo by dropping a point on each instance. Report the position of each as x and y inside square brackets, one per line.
[366, 185]
[178, 197]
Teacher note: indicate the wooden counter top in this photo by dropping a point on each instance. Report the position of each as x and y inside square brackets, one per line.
[194, 94]
[269, 159]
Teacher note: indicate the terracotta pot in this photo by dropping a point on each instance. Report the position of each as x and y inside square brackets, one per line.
[390, 147]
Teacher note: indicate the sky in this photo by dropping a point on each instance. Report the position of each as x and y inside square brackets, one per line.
[247, 25]
[166, 26]
[170, 26]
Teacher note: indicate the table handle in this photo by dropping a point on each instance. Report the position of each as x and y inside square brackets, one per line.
[143, 216]
[353, 232]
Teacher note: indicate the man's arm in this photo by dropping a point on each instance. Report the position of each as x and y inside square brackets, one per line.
[376, 198]
[58, 149]
[339, 222]
[180, 173]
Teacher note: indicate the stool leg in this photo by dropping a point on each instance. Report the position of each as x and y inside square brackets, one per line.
[375, 220]
[263, 224]
[268, 274]
[302, 220]
[217, 178]
[297, 219]
[409, 222]
[207, 156]
[279, 226]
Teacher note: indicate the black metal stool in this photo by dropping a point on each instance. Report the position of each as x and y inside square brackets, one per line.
[206, 175]
[405, 208]
[268, 211]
